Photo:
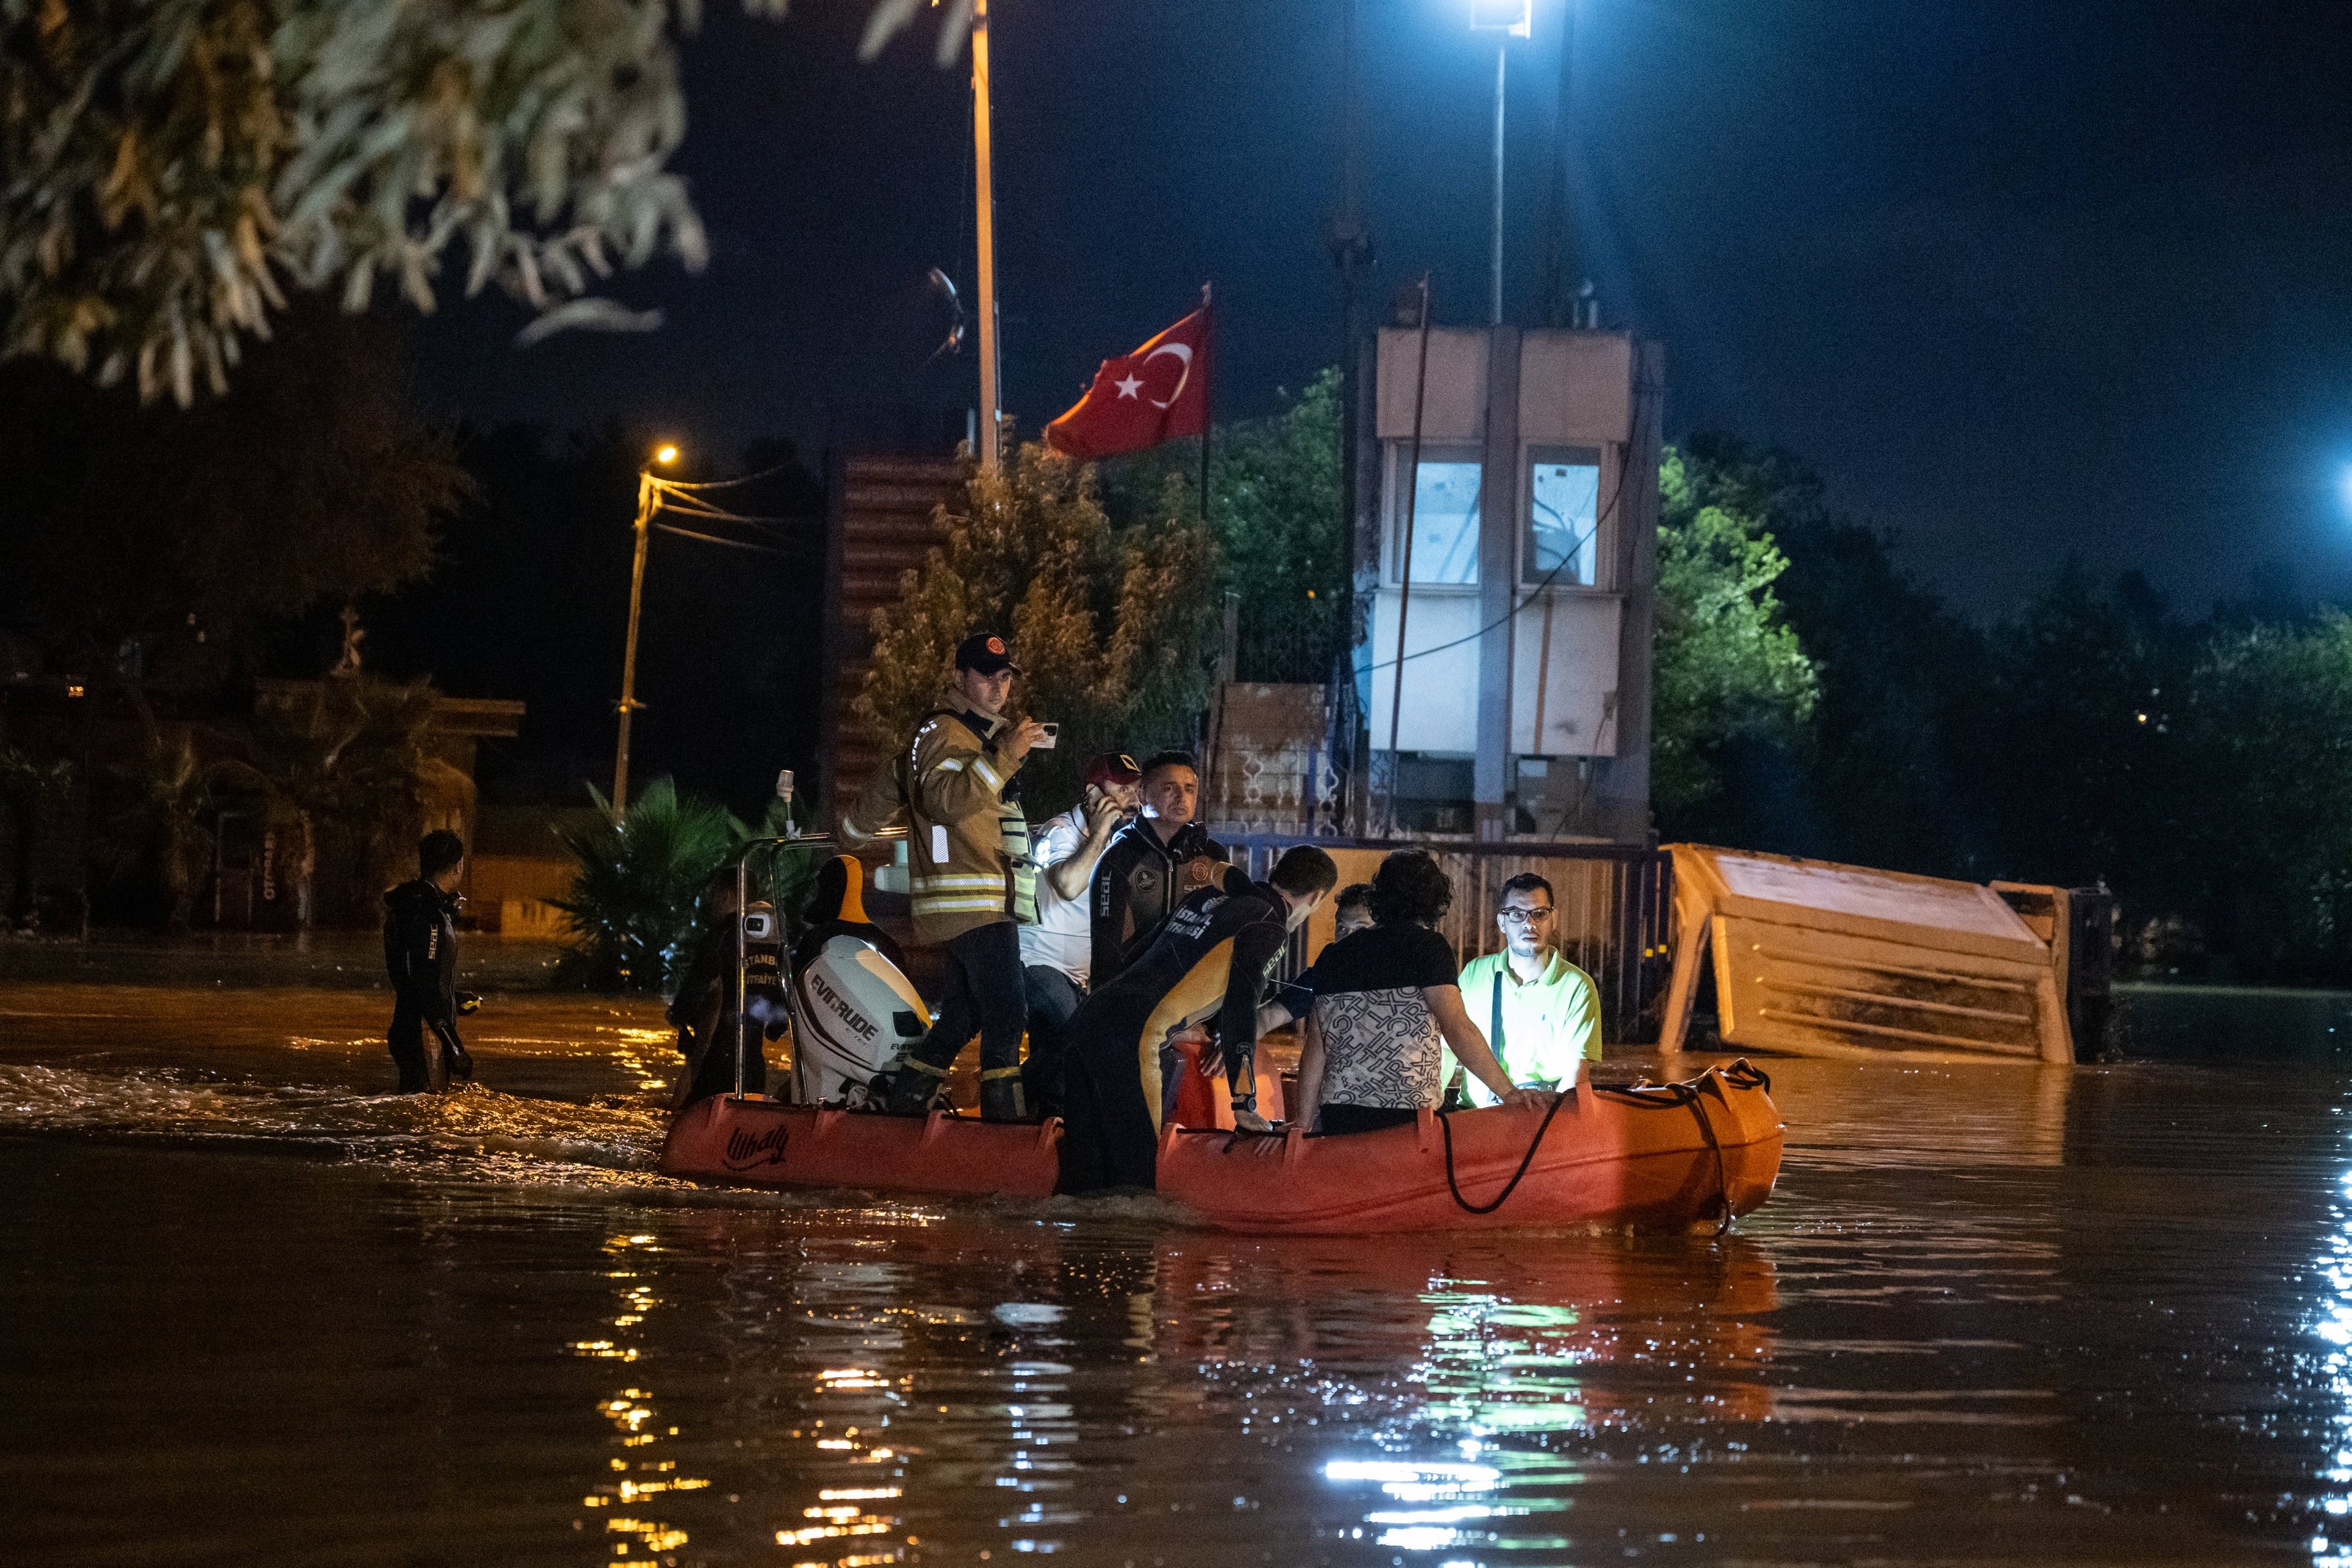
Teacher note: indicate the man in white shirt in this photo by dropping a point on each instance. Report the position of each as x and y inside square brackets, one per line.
[1055, 956]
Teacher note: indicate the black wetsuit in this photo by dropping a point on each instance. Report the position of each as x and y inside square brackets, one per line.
[1212, 959]
[1136, 886]
[420, 953]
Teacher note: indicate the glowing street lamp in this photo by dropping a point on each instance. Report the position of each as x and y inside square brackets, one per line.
[1506, 19]
[649, 490]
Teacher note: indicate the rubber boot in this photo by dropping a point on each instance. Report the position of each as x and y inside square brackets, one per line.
[1003, 1097]
[917, 1085]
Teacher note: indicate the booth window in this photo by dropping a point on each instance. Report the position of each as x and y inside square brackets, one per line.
[1563, 541]
[1444, 518]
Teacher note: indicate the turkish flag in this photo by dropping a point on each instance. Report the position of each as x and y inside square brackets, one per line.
[1154, 395]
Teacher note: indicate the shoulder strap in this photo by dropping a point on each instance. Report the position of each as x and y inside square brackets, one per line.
[1495, 1039]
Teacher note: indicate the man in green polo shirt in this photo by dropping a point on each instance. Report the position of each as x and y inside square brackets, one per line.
[1540, 1012]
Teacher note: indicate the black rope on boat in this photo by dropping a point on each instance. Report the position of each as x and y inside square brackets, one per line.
[1446, 1125]
[1659, 1096]
[1722, 1179]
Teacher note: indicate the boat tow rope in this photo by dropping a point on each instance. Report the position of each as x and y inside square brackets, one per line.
[1446, 1125]
[1740, 1076]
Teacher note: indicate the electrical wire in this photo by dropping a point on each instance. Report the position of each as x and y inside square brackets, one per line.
[720, 484]
[731, 544]
[689, 506]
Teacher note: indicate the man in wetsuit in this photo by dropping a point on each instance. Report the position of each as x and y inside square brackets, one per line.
[420, 953]
[1210, 961]
[1151, 866]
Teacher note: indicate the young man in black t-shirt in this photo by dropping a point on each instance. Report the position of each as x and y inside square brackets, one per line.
[1211, 961]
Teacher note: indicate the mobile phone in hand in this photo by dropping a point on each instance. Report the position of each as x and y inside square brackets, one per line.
[1050, 739]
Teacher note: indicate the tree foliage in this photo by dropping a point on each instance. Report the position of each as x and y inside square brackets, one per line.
[349, 776]
[636, 886]
[1112, 627]
[172, 165]
[1728, 667]
[1275, 507]
[312, 480]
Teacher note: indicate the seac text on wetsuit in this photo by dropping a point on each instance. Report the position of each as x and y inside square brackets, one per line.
[1138, 884]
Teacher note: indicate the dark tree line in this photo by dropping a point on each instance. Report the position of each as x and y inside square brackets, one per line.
[2200, 768]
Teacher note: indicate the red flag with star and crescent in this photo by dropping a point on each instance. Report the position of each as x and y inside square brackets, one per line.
[1157, 394]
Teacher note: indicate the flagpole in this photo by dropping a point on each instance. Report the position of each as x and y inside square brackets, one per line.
[1404, 573]
[990, 419]
[1208, 392]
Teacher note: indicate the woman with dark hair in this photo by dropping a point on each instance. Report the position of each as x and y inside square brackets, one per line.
[1386, 1008]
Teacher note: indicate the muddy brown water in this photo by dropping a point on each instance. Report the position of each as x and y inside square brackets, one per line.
[255, 1312]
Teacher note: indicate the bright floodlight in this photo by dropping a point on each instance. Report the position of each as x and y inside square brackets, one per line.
[666, 455]
[1513, 16]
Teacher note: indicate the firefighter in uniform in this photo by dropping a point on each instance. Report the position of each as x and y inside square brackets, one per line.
[951, 783]
[1211, 961]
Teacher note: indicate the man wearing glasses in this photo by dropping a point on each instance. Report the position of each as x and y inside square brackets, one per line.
[1540, 1012]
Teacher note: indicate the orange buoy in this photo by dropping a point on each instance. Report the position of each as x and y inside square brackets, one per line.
[1672, 1153]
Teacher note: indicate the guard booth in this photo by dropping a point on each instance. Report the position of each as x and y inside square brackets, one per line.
[1524, 705]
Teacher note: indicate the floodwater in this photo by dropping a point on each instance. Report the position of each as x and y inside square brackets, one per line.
[255, 1312]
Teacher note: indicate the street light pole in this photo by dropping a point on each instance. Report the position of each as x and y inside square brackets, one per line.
[649, 491]
[629, 650]
[1495, 292]
[1506, 19]
[984, 181]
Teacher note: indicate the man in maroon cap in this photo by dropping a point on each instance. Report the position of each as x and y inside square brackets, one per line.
[1056, 951]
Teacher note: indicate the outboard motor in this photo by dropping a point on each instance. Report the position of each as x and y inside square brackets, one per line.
[855, 1012]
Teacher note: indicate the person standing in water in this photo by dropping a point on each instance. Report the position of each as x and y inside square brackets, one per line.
[420, 953]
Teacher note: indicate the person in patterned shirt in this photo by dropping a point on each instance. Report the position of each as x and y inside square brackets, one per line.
[1387, 1006]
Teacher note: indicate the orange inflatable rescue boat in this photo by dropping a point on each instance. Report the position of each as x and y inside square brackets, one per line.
[1708, 1149]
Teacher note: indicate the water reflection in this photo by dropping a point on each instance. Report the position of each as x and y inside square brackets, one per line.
[637, 1474]
[2332, 1325]
[1936, 1343]
[1465, 1419]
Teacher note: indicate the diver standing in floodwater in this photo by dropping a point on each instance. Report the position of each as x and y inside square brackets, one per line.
[1211, 961]
[420, 953]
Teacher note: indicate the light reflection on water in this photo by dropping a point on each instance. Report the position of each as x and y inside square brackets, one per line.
[1993, 1314]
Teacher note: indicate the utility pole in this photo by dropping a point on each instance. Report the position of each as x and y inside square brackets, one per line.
[991, 419]
[646, 493]
[1351, 248]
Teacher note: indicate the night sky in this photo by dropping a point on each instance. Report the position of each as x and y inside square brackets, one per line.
[2022, 280]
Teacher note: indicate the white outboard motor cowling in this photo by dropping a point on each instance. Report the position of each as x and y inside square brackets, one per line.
[853, 1016]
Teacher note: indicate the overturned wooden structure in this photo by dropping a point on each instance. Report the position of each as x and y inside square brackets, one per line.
[1810, 958]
